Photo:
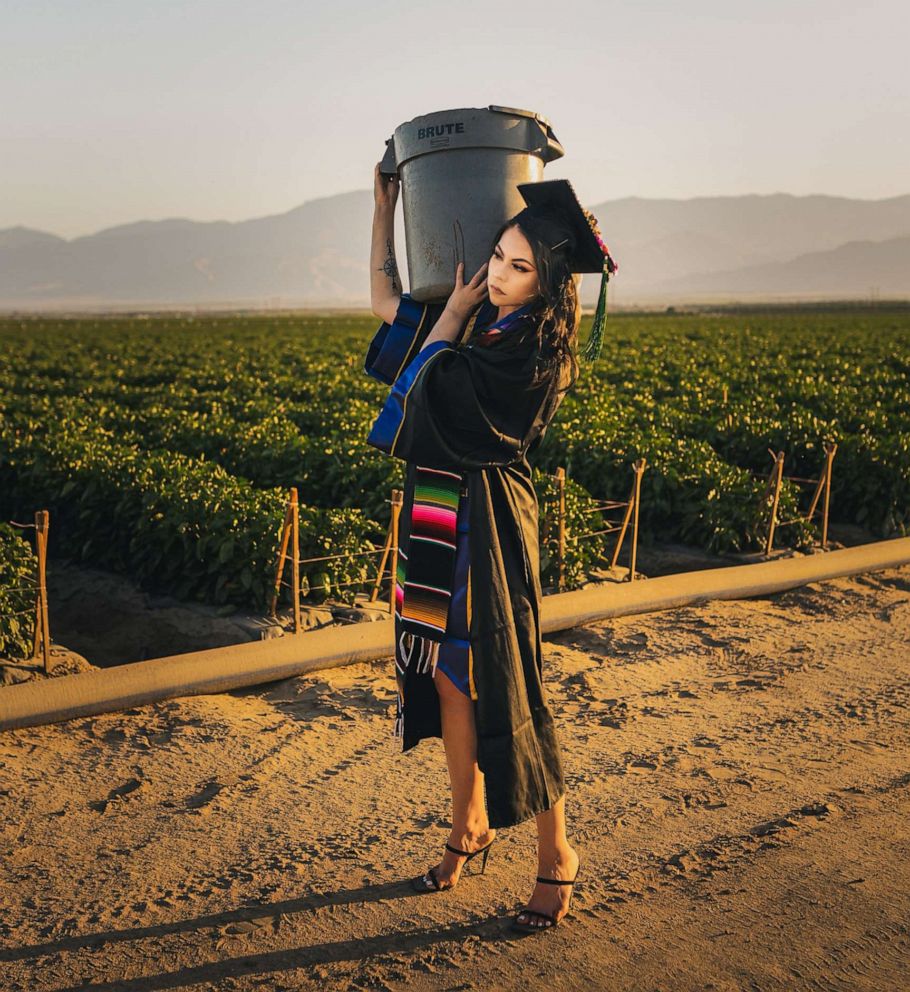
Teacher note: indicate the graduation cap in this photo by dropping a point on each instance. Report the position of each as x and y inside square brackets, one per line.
[589, 253]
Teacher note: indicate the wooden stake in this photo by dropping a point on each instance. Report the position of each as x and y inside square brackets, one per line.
[282, 555]
[830, 448]
[397, 502]
[774, 480]
[622, 530]
[824, 484]
[818, 491]
[42, 624]
[374, 592]
[639, 468]
[295, 551]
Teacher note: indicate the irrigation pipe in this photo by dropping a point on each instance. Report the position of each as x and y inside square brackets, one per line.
[220, 669]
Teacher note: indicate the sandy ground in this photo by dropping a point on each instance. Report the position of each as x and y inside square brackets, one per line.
[739, 790]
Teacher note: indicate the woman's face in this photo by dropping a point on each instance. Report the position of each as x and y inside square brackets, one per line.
[512, 274]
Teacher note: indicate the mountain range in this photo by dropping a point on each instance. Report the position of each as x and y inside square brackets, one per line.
[756, 247]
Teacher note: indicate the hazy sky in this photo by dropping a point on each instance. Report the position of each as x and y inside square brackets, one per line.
[115, 110]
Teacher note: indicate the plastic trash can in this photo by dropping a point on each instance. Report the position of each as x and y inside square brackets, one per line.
[459, 172]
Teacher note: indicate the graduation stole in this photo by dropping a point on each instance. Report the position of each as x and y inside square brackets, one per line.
[427, 585]
[425, 577]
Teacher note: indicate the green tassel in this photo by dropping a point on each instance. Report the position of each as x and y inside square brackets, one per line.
[595, 339]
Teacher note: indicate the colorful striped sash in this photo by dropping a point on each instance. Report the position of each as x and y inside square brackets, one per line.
[426, 573]
[427, 588]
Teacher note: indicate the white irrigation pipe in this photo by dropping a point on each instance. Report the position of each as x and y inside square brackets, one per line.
[217, 670]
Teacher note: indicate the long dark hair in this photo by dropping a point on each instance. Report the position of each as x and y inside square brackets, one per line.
[556, 312]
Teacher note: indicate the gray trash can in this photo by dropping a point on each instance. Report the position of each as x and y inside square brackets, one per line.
[459, 172]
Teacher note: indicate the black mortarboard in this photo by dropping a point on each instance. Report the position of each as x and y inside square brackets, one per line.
[589, 254]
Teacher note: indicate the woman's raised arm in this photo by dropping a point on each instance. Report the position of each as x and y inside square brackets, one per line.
[385, 283]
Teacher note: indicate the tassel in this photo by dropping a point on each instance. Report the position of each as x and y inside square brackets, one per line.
[404, 653]
[595, 339]
[406, 650]
[420, 644]
[427, 655]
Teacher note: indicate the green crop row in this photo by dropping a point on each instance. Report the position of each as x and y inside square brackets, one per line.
[18, 581]
[196, 414]
[172, 523]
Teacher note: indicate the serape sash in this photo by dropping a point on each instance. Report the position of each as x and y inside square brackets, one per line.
[425, 574]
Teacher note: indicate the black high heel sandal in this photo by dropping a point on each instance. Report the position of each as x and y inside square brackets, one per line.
[419, 885]
[528, 926]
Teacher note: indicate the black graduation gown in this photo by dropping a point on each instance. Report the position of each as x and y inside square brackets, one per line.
[464, 407]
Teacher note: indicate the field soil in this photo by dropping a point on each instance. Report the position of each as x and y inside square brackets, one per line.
[739, 791]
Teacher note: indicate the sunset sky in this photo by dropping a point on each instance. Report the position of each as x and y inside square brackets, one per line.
[117, 111]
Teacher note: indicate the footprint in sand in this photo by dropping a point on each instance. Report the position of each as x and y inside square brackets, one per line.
[642, 766]
[684, 763]
[773, 773]
[633, 644]
[204, 796]
[759, 680]
[884, 614]
[118, 793]
[581, 684]
[770, 827]
[720, 773]
[684, 861]
[615, 713]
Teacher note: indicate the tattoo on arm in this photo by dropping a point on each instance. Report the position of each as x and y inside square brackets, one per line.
[390, 268]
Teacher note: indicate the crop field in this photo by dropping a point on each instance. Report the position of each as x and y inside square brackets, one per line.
[164, 446]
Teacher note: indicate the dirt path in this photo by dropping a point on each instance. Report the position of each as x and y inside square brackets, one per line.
[739, 796]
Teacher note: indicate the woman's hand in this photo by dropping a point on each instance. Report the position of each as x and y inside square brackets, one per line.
[385, 189]
[466, 296]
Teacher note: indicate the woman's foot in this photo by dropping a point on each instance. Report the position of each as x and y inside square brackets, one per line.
[551, 899]
[448, 870]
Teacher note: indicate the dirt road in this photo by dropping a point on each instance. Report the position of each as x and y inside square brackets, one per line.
[739, 796]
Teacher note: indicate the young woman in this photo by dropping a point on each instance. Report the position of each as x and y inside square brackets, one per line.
[475, 382]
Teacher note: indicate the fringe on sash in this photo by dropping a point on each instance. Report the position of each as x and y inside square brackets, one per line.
[425, 654]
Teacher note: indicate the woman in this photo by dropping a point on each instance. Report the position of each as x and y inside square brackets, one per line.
[475, 383]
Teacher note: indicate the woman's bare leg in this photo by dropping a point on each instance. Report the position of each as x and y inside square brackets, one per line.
[555, 859]
[470, 826]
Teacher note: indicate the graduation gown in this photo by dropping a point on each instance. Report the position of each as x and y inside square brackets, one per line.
[466, 407]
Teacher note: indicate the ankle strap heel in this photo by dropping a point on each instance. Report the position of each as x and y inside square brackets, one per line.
[420, 884]
[526, 926]
[485, 851]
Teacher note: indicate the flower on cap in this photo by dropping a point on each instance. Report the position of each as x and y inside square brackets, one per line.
[595, 230]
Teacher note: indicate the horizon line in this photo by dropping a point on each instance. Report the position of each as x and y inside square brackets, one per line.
[367, 191]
